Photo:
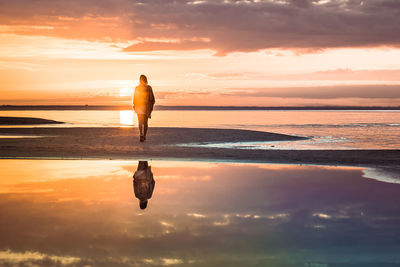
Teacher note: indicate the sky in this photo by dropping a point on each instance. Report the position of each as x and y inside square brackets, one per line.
[194, 52]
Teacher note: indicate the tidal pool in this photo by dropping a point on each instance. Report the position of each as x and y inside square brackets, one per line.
[85, 213]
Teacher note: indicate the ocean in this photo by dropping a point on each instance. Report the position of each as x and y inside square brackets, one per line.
[344, 129]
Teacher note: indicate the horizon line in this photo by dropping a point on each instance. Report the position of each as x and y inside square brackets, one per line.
[191, 107]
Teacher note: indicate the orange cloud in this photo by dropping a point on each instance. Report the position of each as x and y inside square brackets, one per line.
[230, 26]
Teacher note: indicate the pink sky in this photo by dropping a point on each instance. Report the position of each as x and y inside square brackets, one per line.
[252, 53]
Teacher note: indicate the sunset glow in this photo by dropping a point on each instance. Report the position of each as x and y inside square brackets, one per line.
[91, 53]
[125, 92]
[199, 133]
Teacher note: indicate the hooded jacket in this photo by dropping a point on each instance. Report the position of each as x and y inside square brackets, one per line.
[143, 100]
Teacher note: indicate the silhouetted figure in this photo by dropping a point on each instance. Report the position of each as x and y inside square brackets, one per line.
[143, 103]
[143, 183]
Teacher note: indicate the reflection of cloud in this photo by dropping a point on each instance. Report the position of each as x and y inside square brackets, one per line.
[260, 216]
[167, 261]
[322, 215]
[387, 175]
[9, 256]
[196, 215]
[170, 225]
[225, 222]
[27, 172]
[246, 214]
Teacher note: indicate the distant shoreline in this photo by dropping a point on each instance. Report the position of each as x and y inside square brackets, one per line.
[160, 107]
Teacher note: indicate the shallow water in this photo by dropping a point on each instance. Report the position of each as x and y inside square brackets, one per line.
[84, 212]
[327, 129]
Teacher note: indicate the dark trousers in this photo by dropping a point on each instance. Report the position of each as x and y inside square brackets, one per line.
[143, 119]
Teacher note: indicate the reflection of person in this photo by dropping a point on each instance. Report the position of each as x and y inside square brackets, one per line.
[143, 183]
[143, 102]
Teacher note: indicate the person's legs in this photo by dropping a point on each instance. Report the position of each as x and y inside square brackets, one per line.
[145, 125]
[141, 125]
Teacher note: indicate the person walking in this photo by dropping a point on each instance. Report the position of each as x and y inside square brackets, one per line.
[143, 103]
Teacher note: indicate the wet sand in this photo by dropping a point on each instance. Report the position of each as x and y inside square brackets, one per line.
[123, 143]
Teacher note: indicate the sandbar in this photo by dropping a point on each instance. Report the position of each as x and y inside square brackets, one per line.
[26, 121]
[166, 142]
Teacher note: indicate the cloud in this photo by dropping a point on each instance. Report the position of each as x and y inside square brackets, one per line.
[228, 26]
[345, 95]
[323, 92]
[329, 75]
[180, 45]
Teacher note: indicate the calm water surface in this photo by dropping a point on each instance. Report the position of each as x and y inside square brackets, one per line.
[328, 129]
[82, 212]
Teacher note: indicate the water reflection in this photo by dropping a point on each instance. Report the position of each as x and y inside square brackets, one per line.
[78, 213]
[126, 117]
[143, 183]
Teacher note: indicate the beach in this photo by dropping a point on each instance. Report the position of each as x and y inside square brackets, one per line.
[175, 143]
[221, 197]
